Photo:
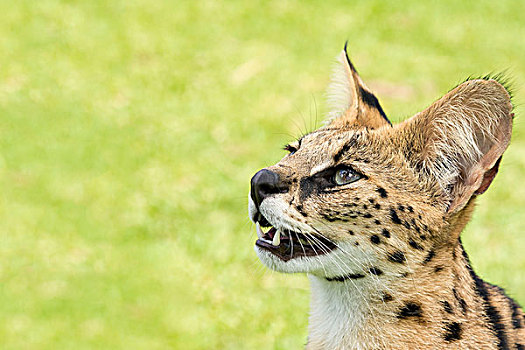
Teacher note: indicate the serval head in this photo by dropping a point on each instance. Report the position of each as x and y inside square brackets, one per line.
[360, 197]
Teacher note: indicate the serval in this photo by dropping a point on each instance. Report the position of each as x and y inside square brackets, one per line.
[373, 213]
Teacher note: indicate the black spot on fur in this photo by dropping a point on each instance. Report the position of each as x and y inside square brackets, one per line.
[301, 210]
[382, 192]
[438, 268]
[365, 206]
[447, 307]
[406, 224]
[463, 305]
[375, 271]
[394, 217]
[516, 320]
[429, 256]
[401, 207]
[356, 244]
[351, 276]
[386, 297]
[461, 301]
[371, 200]
[410, 309]
[397, 257]
[423, 237]
[375, 239]
[348, 205]
[377, 206]
[410, 209]
[415, 245]
[331, 218]
[377, 222]
[452, 331]
[367, 216]
[455, 292]
[386, 233]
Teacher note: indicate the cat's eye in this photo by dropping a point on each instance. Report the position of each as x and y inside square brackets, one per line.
[345, 176]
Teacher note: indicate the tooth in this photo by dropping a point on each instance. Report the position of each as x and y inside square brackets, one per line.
[259, 231]
[277, 238]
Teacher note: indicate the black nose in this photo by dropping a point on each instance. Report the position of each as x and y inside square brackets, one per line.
[265, 183]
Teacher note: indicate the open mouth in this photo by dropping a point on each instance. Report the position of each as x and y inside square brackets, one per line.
[288, 245]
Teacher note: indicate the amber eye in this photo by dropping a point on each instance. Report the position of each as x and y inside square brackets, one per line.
[345, 176]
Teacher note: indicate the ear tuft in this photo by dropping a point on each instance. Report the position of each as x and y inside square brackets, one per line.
[341, 94]
[503, 78]
[352, 104]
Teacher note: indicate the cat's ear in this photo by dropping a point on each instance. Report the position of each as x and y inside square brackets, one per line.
[352, 104]
[459, 140]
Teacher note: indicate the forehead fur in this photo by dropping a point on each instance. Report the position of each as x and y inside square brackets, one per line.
[380, 154]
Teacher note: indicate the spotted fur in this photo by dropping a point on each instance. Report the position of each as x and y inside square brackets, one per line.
[399, 277]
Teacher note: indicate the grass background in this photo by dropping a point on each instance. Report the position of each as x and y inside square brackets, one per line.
[129, 131]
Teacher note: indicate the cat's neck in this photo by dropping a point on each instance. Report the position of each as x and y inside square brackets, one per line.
[354, 314]
[338, 311]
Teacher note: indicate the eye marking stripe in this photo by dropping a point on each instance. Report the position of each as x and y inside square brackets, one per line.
[346, 147]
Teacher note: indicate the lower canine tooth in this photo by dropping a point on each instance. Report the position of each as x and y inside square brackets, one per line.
[259, 231]
[277, 238]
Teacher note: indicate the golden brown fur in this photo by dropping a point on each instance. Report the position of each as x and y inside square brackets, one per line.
[399, 277]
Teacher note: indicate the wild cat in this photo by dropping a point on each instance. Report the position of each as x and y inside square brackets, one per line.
[373, 213]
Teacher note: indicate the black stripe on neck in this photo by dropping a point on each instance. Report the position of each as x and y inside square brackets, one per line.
[351, 276]
[494, 317]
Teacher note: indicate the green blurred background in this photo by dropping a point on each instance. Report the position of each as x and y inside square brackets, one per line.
[129, 131]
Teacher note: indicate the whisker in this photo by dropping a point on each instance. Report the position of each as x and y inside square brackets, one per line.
[376, 279]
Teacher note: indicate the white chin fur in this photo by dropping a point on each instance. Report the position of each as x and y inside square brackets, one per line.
[344, 259]
[301, 264]
[340, 261]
